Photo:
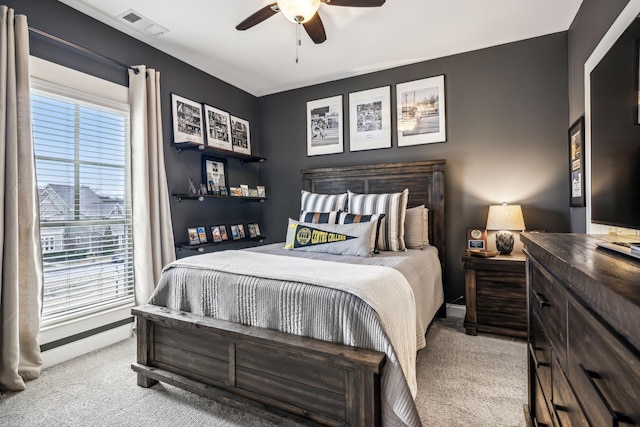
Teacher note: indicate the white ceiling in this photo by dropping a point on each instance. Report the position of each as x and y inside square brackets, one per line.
[261, 60]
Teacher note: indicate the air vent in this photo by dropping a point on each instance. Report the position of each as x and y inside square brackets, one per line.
[131, 17]
[139, 22]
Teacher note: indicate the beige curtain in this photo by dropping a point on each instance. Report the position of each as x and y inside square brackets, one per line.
[153, 245]
[20, 254]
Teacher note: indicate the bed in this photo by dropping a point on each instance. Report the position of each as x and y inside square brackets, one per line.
[278, 374]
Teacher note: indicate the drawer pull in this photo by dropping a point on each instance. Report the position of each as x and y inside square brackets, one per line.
[560, 408]
[617, 417]
[541, 299]
[538, 364]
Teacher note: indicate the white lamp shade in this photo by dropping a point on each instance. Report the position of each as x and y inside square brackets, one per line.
[505, 217]
[298, 11]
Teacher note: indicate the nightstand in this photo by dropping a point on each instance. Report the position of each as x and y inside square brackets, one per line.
[496, 295]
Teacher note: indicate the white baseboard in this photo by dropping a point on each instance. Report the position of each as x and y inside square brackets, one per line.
[457, 311]
[87, 345]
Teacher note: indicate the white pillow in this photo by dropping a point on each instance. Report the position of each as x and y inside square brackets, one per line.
[338, 239]
[416, 227]
[394, 206]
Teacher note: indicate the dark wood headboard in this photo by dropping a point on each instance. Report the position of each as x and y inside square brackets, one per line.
[425, 181]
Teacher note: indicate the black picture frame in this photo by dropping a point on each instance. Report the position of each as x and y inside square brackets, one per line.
[576, 163]
[213, 168]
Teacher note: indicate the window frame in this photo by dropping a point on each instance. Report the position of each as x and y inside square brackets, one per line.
[94, 86]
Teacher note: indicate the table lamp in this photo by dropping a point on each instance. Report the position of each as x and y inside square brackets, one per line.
[505, 218]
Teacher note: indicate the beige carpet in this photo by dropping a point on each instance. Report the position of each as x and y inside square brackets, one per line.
[462, 381]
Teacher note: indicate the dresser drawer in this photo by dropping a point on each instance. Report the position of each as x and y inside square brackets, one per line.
[540, 412]
[548, 302]
[541, 355]
[604, 370]
[565, 404]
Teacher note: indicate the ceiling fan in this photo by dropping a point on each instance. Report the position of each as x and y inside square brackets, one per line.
[304, 12]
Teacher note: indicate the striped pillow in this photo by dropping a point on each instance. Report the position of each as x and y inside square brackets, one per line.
[347, 218]
[319, 217]
[394, 206]
[314, 202]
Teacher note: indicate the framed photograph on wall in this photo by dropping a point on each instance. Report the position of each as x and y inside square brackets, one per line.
[223, 232]
[576, 162]
[235, 235]
[370, 119]
[218, 125]
[187, 120]
[240, 135]
[214, 173]
[215, 234]
[421, 111]
[324, 126]
[194, 238]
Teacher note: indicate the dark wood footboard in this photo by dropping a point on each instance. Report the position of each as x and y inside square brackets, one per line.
[259, 370]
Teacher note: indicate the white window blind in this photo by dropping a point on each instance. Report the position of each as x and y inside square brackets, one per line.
[82, 164]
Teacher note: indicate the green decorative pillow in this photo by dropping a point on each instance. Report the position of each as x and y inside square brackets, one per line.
[339, 239]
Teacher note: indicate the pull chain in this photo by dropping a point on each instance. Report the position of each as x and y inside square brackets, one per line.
[298, 43]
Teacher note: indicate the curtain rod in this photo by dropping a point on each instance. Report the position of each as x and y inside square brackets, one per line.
[83, 49]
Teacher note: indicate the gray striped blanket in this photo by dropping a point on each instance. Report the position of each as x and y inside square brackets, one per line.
[355, 305]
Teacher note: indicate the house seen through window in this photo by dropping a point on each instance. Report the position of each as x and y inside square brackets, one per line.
[82, 166]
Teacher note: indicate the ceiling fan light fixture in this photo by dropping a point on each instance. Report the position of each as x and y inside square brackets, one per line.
[298, 11]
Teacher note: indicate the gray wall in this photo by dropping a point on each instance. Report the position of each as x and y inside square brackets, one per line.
[591, 23]
[176, 77]
[507, 115]
[507, 118]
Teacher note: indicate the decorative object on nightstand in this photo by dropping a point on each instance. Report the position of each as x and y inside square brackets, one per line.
[505, 218]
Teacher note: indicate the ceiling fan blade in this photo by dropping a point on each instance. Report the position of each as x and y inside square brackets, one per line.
[315, 29]
[264, 13]
[355, 3]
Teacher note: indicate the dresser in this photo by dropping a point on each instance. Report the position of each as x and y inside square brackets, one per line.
[495, 295]
[583, 332]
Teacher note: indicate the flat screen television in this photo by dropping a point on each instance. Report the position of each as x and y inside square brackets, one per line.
[615, 133]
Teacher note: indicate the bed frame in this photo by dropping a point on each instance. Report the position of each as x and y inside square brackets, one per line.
[271, 373]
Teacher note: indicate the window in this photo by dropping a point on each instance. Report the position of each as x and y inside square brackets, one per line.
[82, 165]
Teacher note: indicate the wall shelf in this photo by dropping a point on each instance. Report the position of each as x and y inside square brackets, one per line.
[190, 146]
[202, 246]
[200, 198]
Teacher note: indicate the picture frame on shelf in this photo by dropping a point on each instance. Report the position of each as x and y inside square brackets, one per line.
[241, 232]
[235, 191]
[202, 234]
[256, 227]
[192, 233]
[218, 126]
[235, 235]
[252, 231]
[244, 189]
[370, 119]
[253, 192]
[223, 232]
[223, 191]
[421, 111]
[576, 163]
[240, 135]
[476, 238]
[214, 173]
[261, 191]
[215, 234]
[324, 126]
[187, 120]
